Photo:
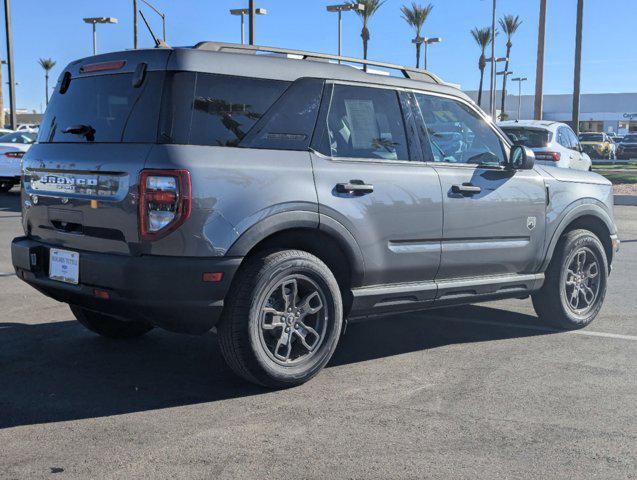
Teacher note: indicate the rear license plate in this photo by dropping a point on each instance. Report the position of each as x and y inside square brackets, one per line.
[64, 266]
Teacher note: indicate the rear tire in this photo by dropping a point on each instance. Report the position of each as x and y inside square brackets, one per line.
[282, 319]
[575, 283]
[108, 326]
[5, 186]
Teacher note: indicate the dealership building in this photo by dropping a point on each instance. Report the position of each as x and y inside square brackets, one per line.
[599, 112]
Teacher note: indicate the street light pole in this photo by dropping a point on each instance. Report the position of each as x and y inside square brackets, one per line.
[162, 15]
[252, 13]
[135, 24]
[578, 66]
[246, 11]
[7, 20]
[519, 80]
[539, 70]
[428, 41]
[493, 112]
[344, 7]
[94, 21]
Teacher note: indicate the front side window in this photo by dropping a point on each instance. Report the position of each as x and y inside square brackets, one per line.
[457, 134]
[365, 122]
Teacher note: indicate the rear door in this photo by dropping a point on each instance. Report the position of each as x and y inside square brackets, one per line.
[371, 179]
[80, 179]
[493, 216]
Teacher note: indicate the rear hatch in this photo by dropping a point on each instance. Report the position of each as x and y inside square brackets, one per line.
[81, 178]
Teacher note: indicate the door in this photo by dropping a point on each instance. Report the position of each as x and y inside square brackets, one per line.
[567, 139]
[493, 216]
[576, 149]
[370, 179]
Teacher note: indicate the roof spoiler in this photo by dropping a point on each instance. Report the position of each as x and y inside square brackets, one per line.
[411, 73]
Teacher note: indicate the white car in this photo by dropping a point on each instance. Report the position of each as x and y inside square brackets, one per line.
[28, 127]
[554, 143]
[13, 146]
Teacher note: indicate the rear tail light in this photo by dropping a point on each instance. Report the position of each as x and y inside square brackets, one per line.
[550, 156]
[102, 66]
[14, 154]
[165, 202]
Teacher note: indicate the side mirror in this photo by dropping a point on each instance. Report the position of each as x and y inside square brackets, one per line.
[522, 158]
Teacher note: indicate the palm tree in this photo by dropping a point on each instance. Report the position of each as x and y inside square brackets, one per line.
[482, 36]
[47, 64]
[416, 17]
[509, 25]
[371, 6]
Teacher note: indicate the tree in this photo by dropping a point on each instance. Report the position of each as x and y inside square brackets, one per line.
[509, 25]
[371, 6]
[416, 17]
[47, 64]
[482, 36]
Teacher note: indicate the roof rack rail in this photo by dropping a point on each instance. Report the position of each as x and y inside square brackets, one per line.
[411, 73]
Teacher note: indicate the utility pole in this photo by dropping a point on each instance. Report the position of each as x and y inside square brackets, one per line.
[539, 70]
[578, 65]
[7, 22]
[135, 24]
[251, 21]
[492, 98]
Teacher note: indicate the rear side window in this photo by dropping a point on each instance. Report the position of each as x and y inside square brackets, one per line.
[365, 122]
[225, 108]
[109, 105]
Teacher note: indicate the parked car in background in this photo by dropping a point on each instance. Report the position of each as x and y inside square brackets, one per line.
[13, 146]
[554, 143]
[627, 148]
[29, 127]
[597, 145]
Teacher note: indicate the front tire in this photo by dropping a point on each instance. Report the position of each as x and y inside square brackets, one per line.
[282, 319]
[108, 326]
[575, 284]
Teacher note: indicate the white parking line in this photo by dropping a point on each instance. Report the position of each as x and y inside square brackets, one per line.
[539, 328]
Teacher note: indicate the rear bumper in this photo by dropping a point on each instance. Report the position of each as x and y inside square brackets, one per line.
[168, 292]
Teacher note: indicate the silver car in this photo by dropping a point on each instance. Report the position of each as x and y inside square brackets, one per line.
[273, 197]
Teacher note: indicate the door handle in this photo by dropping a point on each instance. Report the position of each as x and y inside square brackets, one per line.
[465, 189]
[354, 187]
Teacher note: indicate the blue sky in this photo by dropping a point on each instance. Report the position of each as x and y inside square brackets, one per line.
[54, 28]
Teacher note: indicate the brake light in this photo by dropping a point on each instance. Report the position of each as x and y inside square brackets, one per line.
[165, 202]
[102, 66]
[550, 156]
[14, 154]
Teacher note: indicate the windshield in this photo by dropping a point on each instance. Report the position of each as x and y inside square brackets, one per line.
[19, 137]
[591, 137]
[105, 108]
[529, 137]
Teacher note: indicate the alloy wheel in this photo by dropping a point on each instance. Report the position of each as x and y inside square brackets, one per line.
[582, 281]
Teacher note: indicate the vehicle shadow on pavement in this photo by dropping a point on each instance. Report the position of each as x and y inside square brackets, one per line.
[10, 201]
[54, 372]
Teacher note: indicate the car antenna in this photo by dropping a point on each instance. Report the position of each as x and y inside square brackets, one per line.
[158, 43]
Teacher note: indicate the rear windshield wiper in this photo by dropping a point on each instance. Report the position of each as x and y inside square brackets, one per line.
[81, 129]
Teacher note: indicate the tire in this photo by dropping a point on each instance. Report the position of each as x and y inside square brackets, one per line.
[5, 186]
[265, 342]
[108, 326]
[571, 297]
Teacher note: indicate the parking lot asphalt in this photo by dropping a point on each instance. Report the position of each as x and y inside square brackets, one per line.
[475, 392]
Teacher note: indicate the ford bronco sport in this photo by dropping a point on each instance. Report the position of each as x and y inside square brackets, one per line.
[270, 194]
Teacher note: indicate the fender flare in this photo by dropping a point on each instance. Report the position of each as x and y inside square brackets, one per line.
[577, 210]
[282, 221]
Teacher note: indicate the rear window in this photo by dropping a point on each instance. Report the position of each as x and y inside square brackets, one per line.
[219, 110]
[109, 105]
[529, 137]
[19, 137]
[591, 137]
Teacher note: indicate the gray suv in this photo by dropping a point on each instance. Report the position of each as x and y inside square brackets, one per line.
[269, 195]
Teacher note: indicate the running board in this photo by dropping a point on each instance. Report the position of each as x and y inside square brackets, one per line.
[381, 299]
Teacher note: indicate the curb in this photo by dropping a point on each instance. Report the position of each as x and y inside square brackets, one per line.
[626, 200]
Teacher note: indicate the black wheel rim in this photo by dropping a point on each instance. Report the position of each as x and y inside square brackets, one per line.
[582, 281]
[293, 320]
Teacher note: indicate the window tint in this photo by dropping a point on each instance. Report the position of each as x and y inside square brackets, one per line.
[109, 104]
[457, 134]
[225, 108]
[573, 140]
[365, 122]
[529, 137]
[563, 138]
[291, 122]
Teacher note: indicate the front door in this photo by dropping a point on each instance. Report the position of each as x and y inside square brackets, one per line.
[371, 180]
[494, 217]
